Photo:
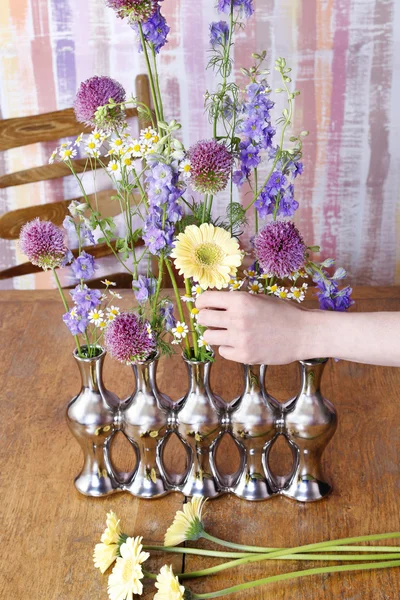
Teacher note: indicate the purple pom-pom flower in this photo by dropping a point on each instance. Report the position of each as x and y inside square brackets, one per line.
[129, 339]
[279, 248]
[95, 93]
[44, 244]
[135, 10]
[211, 164]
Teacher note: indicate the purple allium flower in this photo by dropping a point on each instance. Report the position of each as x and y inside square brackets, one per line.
[242, 6]
[144, 288]
[167, 312]
[135, 10]
[211, 164]
[128, 340]
[279, 248]
[94, 93]
[219, 33]
[76, 320]
[83, 267]
[85, 297]
[155, 31]
[43, 243]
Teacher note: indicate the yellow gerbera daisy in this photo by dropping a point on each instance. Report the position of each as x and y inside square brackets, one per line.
[187, 524]
[168, 585]
[208, 254]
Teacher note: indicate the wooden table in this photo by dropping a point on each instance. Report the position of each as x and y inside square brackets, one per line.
[49, 530]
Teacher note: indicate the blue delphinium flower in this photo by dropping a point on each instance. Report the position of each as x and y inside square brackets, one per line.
[76, 320]
[167, 312]
[83, 267]
[330, 297]
[85, 297]
[244, 7]
[144, 288]
[219, 33]
[155, 31]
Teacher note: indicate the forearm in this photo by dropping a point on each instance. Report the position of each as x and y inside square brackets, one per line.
[372, 338]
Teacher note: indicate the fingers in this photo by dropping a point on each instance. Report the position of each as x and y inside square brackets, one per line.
[217, 337]
[229, 353]
[213, 318]
[213, 300]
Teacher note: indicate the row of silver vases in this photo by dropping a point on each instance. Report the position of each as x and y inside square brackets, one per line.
[200, 420]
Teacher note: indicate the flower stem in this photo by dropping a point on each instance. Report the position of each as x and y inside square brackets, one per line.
[192, 323]
[150, 73]
[197, 551]
[178, 301]
[64, 301]
[161, 109]
[296, 575]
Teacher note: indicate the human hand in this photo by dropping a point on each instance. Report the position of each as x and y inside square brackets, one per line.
[254, 329]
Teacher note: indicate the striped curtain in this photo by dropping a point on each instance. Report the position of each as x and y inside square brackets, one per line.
[345, 56]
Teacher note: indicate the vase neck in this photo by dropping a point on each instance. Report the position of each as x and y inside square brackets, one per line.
[199, 374]
[145, 377]
[253, 381]
[311, 375]
[91, 370]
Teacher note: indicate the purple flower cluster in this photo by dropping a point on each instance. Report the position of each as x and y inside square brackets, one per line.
[167, 313]
[155, 31]
[277, 195]
[330, 297]
[219, 34]
[135, 10]
[96, 92]
[144, 288]
[81, 229]
[84, 266]
[44, 244]
[128, 340]
[85, 300]
[243, 7]
[255, 128]
[163, 191]
[211, 164]
[279, 248]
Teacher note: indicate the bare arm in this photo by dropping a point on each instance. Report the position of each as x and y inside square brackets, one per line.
[264, 329]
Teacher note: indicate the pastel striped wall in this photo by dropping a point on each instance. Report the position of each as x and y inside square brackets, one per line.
[345, 56]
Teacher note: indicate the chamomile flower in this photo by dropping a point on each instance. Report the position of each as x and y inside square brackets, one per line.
[250, 273]
[112, 312]
[298, 293]
[114, 168]
[115, 294]
[272, 289]
[78, 140]
[297, 274]
[184, 168]
[187, 298]
[282, 293]
[235, 284]
[255, 288]
[117, 144]
[103, 325]
[202, 343]
[194, 312]
[180, 331]
[127, 163]
[67, 154]
[150, 331]
[197, 290]
[264, 276]
[148, 136]
[96, 317]
[107, 282]
[135, 149]
[53, 156]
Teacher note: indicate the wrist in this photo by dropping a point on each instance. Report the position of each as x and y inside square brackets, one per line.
[317, 331]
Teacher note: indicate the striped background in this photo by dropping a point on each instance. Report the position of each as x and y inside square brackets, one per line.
[345, 56]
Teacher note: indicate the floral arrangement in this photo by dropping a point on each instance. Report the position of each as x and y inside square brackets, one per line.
[128, 555]
[166, 192]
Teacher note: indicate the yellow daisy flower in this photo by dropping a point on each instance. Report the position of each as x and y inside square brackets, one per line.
[208, 254]
[113, 529]
[168, 585]
[187, 524]
[125, 580]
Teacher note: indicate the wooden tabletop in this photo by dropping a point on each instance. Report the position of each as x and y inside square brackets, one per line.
[48, 530]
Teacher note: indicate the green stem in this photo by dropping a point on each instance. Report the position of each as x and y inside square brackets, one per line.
[227, 52]
[296, 575]
[192, 324]
[150, 73]
[160, 104]
[197, 551]
[64, 301]
[178, 301]
[159, 282]
[205, 208]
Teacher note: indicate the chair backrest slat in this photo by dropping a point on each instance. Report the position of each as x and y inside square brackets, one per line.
[46, 127]
[47, 172]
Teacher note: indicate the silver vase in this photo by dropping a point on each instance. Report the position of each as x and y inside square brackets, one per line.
[199, 427]
[90, 417]
[310, 421]
[253, 423]
[144, 422]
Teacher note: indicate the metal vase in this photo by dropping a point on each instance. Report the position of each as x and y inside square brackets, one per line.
[310, 421]
[144, 421]
[253, 423]
[199, 428]
[90, 417]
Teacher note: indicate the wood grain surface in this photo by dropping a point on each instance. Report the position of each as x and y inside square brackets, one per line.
[49, 531]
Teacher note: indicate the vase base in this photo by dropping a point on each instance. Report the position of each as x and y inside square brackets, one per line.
[254, 490]
[145, 488]
[205, 487]
[92, 485]
[307, 490]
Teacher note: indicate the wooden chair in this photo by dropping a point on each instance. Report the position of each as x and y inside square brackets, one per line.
[48, 127]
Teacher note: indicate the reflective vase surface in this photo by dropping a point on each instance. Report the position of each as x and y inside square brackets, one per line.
[310, 421]
[199, 428]
[90, 417]
[144, 421]
[253, 423]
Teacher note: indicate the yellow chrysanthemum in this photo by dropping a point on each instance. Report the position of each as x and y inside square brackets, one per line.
[168, 585]
[208, 254]
[187, 524]
[125, 580]
[113, 530]
[104, 555]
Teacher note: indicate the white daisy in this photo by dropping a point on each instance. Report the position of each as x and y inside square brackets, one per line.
[107, 282]
[202, 343]
[272, 289]
[180, 331]
[112, 312]
[114, 168]
[148, 136]
[255, 288]
[78, 140]
[235, 284]
[194, 313]
[53, 156]
[187, 298]
[185, 168]
[115, 294]
[96, 316]
[67, 154]
[282, 293]
[117, 144]
[197, 290]
[250, 273]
